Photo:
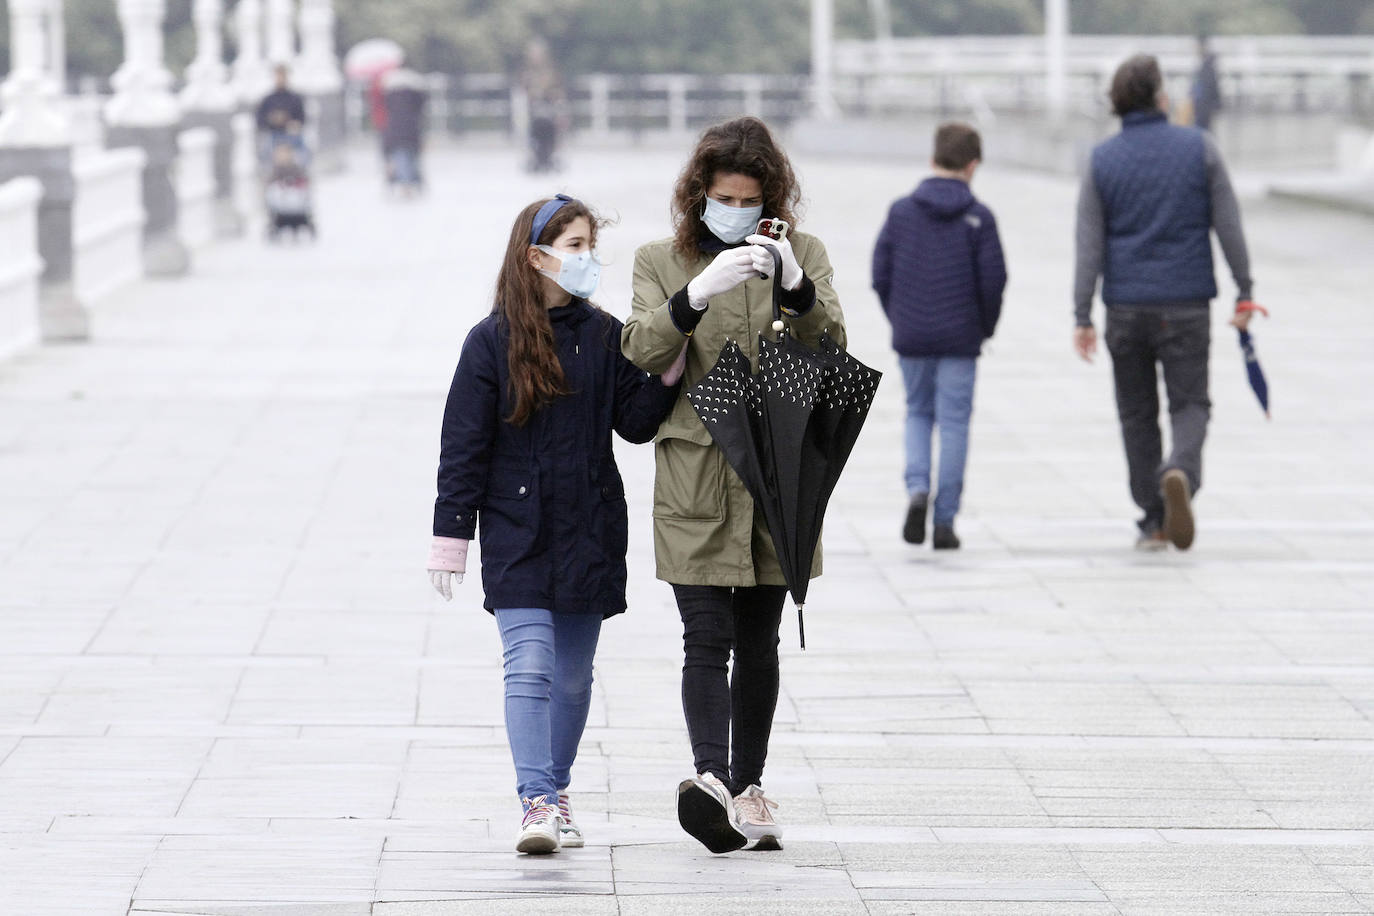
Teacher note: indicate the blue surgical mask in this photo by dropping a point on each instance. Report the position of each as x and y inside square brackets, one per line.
[730, 224]
[578, 273]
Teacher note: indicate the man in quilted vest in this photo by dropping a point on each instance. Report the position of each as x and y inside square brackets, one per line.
[1149, 203]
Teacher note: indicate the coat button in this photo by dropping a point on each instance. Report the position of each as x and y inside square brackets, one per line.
[523, 490]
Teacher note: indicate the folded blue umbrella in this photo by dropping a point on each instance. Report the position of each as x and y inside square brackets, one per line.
[1253, 370]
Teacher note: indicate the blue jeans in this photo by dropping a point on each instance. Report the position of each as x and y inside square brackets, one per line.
[548, 693]
[405, 166]
[939, 392]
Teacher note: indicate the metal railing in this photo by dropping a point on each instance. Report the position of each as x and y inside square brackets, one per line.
[603, 104]
[1265, 74]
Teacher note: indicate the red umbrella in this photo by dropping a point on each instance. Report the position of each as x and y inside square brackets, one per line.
[369, 59]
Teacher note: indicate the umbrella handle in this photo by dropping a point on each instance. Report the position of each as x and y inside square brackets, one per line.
[777, 286]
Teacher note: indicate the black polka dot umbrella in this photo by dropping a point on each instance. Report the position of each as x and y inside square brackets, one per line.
[787, 431]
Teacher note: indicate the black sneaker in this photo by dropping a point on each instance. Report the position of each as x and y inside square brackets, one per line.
[944, 538]
[707, 812]
[914, 531]
[1178, 508]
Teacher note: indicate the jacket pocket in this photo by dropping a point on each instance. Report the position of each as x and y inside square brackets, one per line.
[509, 518]
[611, 525]
[690, 481]
[506, 485]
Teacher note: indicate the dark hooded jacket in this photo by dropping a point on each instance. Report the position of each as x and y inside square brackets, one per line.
[939, 272]
[548, 495]
[405, 117]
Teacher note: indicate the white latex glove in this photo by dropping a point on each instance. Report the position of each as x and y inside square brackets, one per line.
[791, 270]
[447, 557]
[730, 268]
[439, 578]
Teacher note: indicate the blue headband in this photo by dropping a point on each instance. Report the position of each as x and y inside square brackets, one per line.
[546, 212]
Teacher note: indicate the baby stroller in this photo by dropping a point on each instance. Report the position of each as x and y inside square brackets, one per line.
[288, 195]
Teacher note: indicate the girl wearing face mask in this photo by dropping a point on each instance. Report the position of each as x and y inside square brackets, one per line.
[692, 293]
[526, 448]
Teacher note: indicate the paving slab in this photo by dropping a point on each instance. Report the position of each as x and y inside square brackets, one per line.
[227, 690]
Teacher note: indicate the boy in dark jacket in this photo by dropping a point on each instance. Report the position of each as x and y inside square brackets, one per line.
[939, 273]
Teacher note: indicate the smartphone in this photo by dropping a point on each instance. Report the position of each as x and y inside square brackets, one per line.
[773, 228]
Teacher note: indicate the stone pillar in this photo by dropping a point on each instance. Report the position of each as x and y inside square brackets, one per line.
[35, 139]
[33, 113]
[252, 78]
[281, 31]
[1056, 59]
[209, 101]
[145, 114]
[599, 85]
[57, 44]
[677, 105]
[317, 76]
[822, 59]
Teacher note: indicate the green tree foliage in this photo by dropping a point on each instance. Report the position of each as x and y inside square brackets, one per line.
[854, 18]
[698, 36]
[650, 36]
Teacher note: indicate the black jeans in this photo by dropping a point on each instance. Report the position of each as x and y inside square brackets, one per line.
[1177, 339]
[729, 711]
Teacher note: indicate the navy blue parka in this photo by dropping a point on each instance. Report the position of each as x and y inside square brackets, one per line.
[548, 494]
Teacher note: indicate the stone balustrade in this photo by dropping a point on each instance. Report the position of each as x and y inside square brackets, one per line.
[105, 190]
[108, 218]
[248, 200]
[20, 265]
[195, 186]
[87, 123]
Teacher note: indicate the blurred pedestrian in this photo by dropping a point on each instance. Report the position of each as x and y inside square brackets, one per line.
[939, 273]
[1206, 89]
[280, 115]
[526, 447]
[692, 293]
[405, 95]
[547, 102]
[1149, 202]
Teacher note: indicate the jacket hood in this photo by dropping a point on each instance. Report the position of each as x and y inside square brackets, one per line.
[943, 198]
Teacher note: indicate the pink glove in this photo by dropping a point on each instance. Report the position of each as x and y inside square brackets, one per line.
[674, 373]
[447, 557]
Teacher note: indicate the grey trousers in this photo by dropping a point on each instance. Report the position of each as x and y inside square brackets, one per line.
[1177, 339]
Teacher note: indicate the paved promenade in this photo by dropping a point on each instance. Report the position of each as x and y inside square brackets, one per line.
[226, 687]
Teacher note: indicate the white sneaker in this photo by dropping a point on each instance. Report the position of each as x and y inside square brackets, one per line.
[706, 811]
[539, 829]
[756, 821]
[569, 834]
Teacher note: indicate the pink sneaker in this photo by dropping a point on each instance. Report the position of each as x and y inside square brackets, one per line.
[756, 821]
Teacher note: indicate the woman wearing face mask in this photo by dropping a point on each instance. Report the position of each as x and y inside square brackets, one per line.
[526, 447]
[692, 292]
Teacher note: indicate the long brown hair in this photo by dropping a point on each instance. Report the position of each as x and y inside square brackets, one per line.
[743, 146]
[536, 377]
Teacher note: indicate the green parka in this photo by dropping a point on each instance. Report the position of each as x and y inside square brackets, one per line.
[706, 530]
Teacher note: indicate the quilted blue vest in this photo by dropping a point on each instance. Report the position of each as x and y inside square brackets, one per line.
[1156, 204]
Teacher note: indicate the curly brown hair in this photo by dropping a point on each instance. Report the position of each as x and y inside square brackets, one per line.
[743, 146]
[536, 376]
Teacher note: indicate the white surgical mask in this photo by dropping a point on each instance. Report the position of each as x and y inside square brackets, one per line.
[578, 273]
[730, 224]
